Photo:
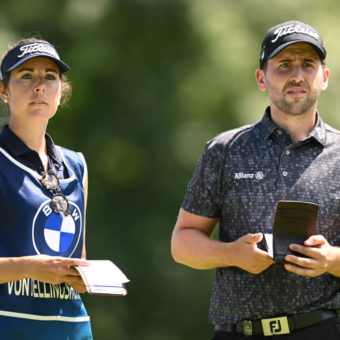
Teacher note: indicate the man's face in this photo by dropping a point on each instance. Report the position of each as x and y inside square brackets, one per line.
[294, 79]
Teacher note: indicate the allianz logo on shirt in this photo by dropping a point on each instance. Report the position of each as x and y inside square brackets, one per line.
[242, 175]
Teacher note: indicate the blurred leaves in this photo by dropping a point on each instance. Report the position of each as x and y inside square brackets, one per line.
[152, 82]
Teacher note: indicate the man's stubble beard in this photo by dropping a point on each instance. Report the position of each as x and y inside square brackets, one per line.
[295, 107]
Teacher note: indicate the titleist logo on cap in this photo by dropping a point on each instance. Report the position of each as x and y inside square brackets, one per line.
[37, 47]
[289, 29]
[287, 33]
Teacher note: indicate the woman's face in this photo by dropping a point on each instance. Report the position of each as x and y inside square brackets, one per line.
[34, 90]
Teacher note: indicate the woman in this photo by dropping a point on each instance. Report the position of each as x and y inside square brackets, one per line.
[43, 192]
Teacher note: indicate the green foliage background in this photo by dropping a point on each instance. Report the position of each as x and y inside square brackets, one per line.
[153, 80]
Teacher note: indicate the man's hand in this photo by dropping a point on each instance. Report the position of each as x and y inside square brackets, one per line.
[321, 258]
[248, 256]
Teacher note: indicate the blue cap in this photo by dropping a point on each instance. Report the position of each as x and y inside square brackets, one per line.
[29, 50]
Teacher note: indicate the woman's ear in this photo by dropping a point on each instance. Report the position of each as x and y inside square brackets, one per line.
[260, 79]
[3, 92]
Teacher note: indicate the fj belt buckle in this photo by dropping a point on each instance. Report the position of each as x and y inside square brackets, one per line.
[275, 326]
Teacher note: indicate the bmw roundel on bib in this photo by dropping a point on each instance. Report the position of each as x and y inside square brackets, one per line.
[54, 233]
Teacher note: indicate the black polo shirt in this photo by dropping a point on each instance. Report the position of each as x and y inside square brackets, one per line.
[12, 144]
[240, 177]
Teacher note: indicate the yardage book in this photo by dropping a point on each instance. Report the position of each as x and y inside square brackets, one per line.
[294, 222]
[103, 277]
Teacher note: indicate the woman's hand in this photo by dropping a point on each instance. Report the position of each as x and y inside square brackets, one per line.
[55, 270]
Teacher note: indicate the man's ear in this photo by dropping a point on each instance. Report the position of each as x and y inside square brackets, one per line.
[326, 73]
[260, 79]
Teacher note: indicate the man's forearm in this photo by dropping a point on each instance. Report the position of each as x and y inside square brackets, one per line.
[197, 250]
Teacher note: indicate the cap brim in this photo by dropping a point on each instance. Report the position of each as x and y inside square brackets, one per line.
[283, 46]
[62, 66]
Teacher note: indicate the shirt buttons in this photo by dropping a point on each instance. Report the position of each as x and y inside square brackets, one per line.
[287, 152]
[285, 173]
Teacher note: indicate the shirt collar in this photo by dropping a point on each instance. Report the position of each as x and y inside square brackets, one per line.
[13, 143]
[319, 131]
[269, 127]
[17, 147]
[267, 124]
[52, 150]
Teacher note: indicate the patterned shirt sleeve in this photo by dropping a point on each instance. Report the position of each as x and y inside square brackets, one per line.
[203, 194]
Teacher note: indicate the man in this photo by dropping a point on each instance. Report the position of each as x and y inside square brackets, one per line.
[291, 154]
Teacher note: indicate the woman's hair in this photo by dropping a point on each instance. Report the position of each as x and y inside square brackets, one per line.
[66, 85]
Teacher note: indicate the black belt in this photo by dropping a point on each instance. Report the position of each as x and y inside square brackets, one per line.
[277, 325]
